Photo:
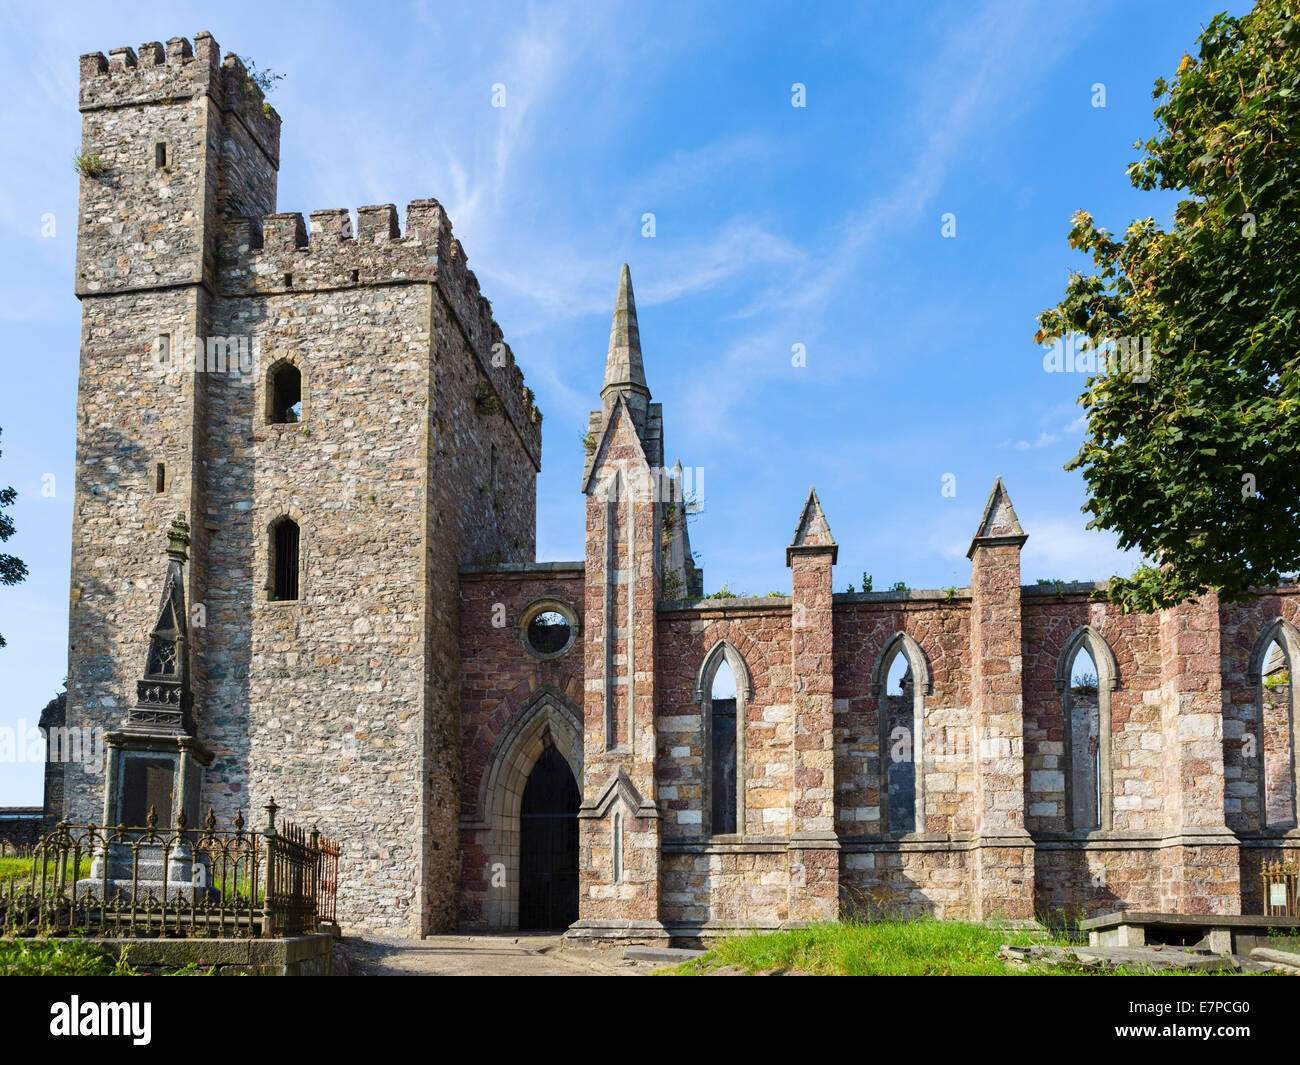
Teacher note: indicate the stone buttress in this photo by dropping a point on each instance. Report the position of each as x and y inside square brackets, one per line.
[620, 826]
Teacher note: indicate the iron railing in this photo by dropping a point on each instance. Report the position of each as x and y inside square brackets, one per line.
[233, 882]
[1281, 889]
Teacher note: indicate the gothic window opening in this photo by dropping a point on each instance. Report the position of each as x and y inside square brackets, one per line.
[1276, 739]
[901, 682]
[284, 560]
[1086, 674]
[1083, 740]
[901, 762]
[286, 394]
[722, 763]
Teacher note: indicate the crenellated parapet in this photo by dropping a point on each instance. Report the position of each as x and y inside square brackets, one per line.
[177, 71]
[286, 253]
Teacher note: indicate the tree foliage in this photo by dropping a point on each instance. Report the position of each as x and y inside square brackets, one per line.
[12, 570]
[1192, 455]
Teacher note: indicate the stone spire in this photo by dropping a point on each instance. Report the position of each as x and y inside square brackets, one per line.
[624, 371]
[813, 533]
[999, 525]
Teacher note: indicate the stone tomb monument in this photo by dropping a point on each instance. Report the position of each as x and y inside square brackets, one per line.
[154, 765]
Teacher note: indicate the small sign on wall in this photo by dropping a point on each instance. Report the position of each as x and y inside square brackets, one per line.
[1277, 895]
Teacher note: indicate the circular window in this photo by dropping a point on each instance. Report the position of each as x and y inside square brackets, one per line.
[548, 628]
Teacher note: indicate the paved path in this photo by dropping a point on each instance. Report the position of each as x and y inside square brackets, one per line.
[503, 955]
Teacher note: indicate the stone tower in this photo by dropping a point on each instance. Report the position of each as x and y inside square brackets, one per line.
[172, 141]
[335, 414]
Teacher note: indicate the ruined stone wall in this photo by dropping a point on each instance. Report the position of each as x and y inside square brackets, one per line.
[880, 873]
[723, 886]
[864, 625]
[1242, 633]
[1242, 627]
[1051, 618]
[760, 631]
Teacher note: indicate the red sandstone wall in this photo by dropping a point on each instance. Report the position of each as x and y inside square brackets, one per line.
[761, 633]
[862, 630]
[1136, 744]
[497, 677]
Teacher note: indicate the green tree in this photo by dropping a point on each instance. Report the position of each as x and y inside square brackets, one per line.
[1192, 443]
[12, 570]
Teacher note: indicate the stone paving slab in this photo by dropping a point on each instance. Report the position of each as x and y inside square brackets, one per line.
[663, 955]
[503, 955]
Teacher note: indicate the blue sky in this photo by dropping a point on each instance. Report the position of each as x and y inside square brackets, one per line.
[774, 226]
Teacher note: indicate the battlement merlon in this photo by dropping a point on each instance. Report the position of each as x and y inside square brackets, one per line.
[179, 71]
[282, 254]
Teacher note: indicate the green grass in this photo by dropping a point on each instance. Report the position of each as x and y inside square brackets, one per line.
[21, 869]
[879, 948]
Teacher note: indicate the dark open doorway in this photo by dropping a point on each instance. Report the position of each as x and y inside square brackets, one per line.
[548, 845]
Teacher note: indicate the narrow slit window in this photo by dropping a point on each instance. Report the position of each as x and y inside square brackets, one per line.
[618, 848]
[722, 720]
[898, 707]
[286, 394]
[284, 562]
[160, 477]
[160, 155]
[1083, 735]
[1276, 742]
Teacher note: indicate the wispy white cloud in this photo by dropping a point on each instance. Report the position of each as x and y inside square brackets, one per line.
[983, 63]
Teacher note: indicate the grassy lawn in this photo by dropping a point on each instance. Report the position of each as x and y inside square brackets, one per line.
[880, 948]
[21, 868]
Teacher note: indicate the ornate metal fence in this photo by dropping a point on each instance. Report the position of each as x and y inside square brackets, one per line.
[92, 880]
[1281, 889]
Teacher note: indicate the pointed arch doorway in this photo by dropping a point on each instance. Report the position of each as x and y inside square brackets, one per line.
[548, 844]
